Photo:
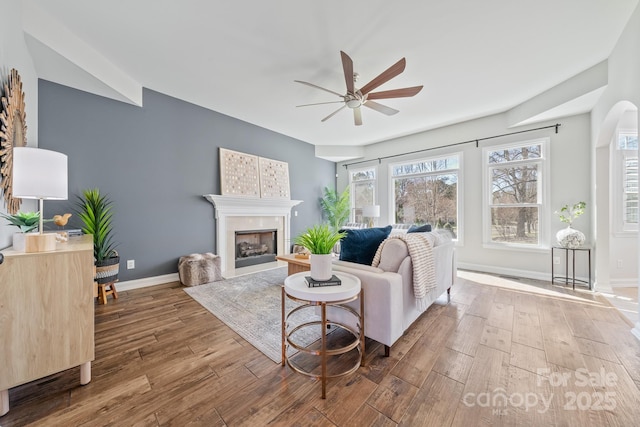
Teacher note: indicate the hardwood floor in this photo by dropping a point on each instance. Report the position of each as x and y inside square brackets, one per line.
[504, 352]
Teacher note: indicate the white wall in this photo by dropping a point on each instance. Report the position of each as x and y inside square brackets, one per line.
[570, 182]
[14, 54]
[621, 94]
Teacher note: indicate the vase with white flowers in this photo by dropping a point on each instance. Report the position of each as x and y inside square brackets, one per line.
[570, 237]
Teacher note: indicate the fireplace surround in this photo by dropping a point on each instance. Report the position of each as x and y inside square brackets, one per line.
[239, 213]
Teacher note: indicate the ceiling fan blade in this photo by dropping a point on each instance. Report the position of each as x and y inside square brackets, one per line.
[319, 103]
[357, 116]
[347, 65]
[318, 87]
[395, 93]
[385, 76]
[334, 113]
[380, 108]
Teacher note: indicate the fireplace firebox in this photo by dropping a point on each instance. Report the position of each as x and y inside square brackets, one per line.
[255, 247]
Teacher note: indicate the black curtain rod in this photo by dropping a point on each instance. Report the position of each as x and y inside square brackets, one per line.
[477, 141]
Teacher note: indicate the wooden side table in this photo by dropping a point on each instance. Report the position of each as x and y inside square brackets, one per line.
[296, 289]
[294, 264]
[573, 251]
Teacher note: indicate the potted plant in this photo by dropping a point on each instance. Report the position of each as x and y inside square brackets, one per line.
[26, 222]
[570, 237]
[336, 207]
[319, 240]
[95, 211]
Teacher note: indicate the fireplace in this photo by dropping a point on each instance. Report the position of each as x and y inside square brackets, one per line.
[235, 213]
[255, 247]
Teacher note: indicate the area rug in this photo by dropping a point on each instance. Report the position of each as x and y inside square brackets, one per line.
[251, 305]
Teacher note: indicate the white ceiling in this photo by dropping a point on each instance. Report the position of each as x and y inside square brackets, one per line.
[241, 58]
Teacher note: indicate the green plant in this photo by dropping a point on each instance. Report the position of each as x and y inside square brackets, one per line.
[336, 207]
[319, 239]
[569, 213]
[25, 221]
[95, 211]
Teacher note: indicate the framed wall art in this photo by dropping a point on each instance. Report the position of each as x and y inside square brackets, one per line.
[239, 174]
[274, 179]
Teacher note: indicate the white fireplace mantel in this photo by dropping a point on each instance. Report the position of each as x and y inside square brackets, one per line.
[228, 207]
[238, 205]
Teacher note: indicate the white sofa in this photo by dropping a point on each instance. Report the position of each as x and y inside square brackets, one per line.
[390, 307]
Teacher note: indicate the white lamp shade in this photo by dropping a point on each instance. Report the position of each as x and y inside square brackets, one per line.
[39, 174]
[372, 211]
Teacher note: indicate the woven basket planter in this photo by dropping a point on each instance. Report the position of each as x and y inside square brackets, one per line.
[107, 270]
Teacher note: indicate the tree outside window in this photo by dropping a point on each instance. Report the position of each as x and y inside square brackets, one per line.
[515, 201]
[426, 192]
[363, 190]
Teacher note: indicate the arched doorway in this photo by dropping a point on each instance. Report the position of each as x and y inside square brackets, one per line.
[617, 244]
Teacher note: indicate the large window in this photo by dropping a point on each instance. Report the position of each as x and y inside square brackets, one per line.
[515, 201]
[626, 211]
[363, 191]
[426, 191]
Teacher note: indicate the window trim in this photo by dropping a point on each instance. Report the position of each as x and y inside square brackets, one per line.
[459, 240]
[544, 188]
[621, 228]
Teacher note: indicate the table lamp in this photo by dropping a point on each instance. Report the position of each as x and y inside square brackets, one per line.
[39, 174]
[371, 212]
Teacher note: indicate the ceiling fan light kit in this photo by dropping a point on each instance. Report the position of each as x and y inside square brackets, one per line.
[356, 98]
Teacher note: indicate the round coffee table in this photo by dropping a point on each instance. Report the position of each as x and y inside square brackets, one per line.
[295, 288]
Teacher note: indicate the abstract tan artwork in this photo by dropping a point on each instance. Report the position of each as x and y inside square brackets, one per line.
[239, 174]
[274, 179]
[247, 175]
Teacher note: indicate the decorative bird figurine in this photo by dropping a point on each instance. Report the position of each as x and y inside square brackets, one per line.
[61, 220]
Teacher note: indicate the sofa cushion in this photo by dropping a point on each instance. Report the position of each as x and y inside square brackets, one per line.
[393, 253]
[419, 229]
[360, 246]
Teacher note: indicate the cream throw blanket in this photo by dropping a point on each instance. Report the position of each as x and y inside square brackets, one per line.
[421, 252]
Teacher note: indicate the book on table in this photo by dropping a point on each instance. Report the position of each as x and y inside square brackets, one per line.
[312, 283]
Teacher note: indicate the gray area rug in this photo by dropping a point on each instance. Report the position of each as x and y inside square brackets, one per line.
[251, 305]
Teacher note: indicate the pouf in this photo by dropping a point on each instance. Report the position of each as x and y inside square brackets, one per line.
[197, 269]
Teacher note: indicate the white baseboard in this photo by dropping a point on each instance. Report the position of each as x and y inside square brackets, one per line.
[624, 283]
[528, 274]
[147, 281]
[636, 331]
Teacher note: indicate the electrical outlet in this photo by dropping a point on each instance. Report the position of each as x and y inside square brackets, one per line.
[556, 260]
[131, 264]
[295, 213]
[619, 263]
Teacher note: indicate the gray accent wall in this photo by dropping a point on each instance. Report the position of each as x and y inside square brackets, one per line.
[156, 162]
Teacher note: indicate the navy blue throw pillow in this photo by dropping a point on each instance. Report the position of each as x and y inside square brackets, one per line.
[420, 229]
[360, 246]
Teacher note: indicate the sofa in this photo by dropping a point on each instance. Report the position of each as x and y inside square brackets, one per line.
[389, 301]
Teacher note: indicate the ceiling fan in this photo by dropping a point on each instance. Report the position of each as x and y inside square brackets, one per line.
[355, 98]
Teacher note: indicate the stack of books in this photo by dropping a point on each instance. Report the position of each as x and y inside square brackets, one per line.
[312, 283]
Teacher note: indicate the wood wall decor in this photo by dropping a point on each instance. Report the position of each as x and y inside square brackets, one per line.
[247, 175]
[274, 179]
[239, 174]
[13, 133]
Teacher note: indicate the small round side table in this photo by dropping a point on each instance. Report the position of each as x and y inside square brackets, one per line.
[295, 288]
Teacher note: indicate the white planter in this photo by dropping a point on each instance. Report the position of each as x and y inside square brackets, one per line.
[19, 244]
[570, 238]
[321, 266]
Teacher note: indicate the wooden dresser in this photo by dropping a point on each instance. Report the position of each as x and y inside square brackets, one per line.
[46, 314]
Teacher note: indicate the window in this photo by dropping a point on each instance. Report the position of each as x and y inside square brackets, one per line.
[515, 196]
[426, 191]
[627, 180]
[363, 191]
